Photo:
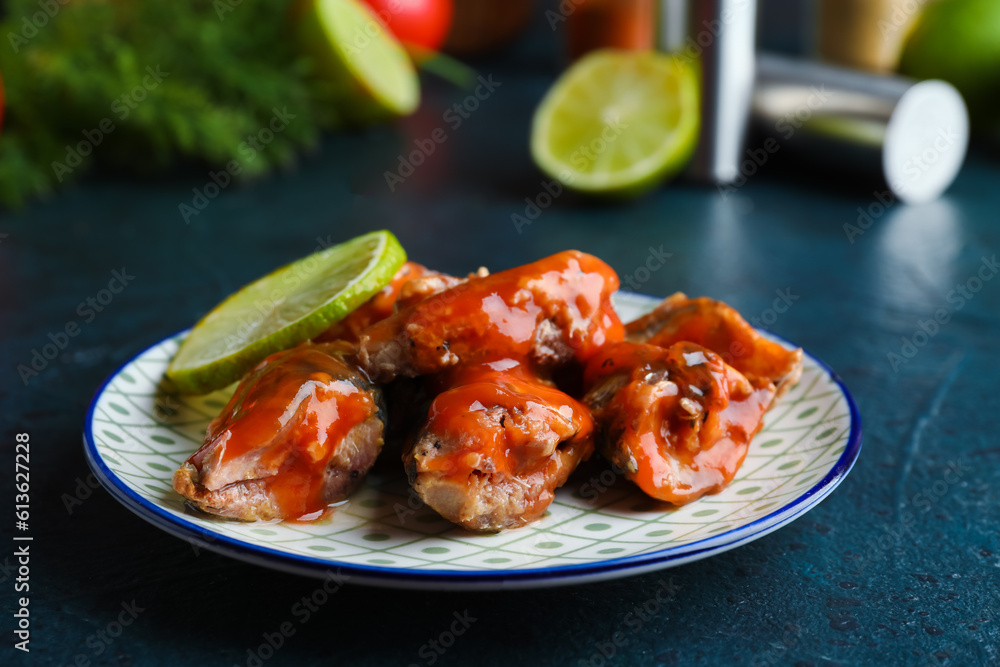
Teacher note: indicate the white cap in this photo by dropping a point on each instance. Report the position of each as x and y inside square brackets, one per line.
[925, 141]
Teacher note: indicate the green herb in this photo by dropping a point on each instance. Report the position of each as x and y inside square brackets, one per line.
[141, 84]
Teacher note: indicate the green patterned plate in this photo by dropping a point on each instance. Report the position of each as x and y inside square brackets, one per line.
[599, 527]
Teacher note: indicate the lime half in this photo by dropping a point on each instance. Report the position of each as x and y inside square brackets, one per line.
[282, 309]
[368, 70]
[618, 122]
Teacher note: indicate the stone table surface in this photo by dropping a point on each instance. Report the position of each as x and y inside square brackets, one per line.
[901, 565]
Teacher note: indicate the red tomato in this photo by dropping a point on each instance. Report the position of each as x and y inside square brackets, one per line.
[423, 23]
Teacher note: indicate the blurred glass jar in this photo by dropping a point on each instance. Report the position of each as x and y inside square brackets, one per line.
[481, 26]
[601, 24]
[865, 34]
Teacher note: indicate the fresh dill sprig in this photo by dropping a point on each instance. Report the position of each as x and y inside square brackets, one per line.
[141, 84]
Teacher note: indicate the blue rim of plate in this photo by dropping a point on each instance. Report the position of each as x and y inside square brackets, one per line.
[394, 577]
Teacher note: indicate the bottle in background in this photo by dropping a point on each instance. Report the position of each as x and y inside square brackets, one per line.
[602, 24]
[865, 34]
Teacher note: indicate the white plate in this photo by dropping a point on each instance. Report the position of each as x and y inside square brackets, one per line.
[598, 527]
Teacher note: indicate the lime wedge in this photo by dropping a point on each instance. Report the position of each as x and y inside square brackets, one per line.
[368, 70]
[618, 122]
[282, 309]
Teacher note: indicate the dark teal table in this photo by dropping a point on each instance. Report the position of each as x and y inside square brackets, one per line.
[901, 565]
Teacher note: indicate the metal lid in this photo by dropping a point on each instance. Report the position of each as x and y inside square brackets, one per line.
[925, 141]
